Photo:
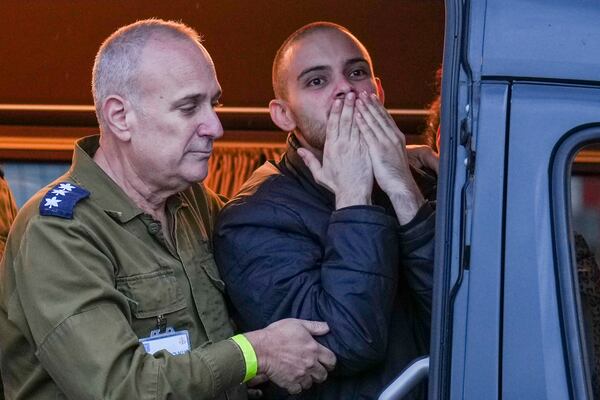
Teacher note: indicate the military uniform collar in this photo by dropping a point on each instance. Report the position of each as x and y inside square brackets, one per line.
[104, 191]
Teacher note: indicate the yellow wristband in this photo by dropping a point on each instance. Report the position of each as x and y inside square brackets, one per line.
[249, 356]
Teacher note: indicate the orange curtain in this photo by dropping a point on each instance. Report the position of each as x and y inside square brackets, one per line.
[229, 167]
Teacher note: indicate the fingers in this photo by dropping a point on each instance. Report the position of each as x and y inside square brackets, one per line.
[369, 124]
[355, 131]
[315, 328]
[255, 394]
[294, 388]
[316, 169]
[257, 380]
[333, 121]
[367, 133]
[379, 120]
[432, 160]
[326, 358]
[311, 162]
[347, 117]
[306, 382]
[384, 117]
[423, 156]
[318, 373]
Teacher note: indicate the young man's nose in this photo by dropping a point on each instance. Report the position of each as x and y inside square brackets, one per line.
[343, 87]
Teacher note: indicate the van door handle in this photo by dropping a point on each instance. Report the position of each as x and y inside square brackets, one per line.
[408, 379]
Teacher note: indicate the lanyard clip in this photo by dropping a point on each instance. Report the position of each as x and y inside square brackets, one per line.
[161, 323]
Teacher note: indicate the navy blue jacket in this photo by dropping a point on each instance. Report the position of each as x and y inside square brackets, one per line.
[284, 251]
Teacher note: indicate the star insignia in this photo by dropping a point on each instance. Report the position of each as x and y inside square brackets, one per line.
[53, 202]
[69, 196]
[66, 186]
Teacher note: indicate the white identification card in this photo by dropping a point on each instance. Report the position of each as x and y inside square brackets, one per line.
[175, 342]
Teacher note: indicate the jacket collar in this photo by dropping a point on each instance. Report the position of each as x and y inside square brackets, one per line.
[291, 162]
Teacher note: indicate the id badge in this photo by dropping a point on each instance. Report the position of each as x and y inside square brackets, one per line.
[175, 342]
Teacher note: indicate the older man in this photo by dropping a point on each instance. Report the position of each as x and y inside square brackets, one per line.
[109, 289]
[309, 237]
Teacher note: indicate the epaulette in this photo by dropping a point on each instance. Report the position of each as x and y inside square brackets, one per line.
[60, 201]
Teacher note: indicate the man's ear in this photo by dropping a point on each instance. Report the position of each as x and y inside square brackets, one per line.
[281, 115]
[380, 92]
[117, 115]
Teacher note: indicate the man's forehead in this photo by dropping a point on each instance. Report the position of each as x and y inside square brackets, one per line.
[175, 50]
[179, 63]
[323, 46]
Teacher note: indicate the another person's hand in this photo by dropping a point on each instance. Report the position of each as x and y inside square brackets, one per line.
[346, 167]
[387, 148]
[289, 356]
[253, 392]
[422, 156]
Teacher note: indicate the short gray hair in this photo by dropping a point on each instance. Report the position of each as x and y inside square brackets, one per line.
[118, 59]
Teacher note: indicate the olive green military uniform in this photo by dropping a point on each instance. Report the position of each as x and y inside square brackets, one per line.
[8, 212]
[78, 293]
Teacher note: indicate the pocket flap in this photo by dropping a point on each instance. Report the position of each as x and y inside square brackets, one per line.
[153, 293]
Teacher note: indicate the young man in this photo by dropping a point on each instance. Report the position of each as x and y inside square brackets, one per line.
[314, 237]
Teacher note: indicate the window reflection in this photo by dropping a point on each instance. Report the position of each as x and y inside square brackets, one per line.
[585, 203]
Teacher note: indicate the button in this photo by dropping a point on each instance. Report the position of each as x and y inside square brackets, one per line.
[154, 228]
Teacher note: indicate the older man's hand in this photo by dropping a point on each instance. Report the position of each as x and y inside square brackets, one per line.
[289, 356]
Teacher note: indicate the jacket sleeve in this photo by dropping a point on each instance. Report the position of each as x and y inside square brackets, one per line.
[79, 324]
[276, 268]
[417, 244]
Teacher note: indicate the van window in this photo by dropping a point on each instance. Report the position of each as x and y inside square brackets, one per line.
[585, 218]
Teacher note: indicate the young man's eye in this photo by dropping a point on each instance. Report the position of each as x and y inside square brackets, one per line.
[315, 82]
[358, 73]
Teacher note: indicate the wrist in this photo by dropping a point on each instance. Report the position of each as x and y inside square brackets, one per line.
[249, 356]
[347, 200]
[407, 205]
[260, 346]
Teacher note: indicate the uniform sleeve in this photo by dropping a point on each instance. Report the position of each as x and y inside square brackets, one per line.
[417, 244]
[275, 268]
[79, 324]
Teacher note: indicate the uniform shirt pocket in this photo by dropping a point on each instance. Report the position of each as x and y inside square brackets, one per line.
[210, 268]
[153, 293]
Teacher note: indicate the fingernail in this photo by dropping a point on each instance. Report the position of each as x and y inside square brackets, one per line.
[363, 94]
[373, 96]
[350, 96]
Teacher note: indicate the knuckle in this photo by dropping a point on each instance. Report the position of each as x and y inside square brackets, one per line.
[321, 377]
